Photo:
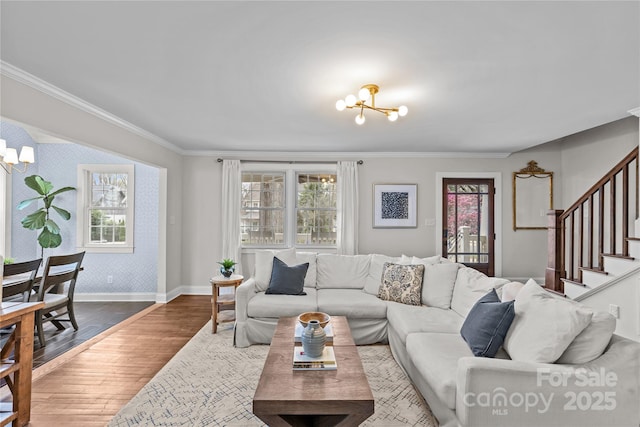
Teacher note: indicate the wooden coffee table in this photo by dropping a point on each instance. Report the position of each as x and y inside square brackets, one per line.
[285, 397]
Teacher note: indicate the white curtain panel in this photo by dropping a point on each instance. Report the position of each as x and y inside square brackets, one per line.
[347, 208]
[231, 193]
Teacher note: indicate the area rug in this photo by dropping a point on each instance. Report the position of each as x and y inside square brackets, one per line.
[211, 383]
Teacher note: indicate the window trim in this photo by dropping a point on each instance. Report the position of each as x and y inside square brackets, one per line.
[290, 170]
[84, 202]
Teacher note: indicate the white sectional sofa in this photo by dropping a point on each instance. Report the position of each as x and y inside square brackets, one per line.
[461, 389]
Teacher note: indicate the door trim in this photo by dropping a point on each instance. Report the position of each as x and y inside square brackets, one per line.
[497, 212]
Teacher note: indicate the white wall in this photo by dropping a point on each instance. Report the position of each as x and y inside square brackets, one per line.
[587, 156]
[202, 227]
[626, 295]
[24, 104]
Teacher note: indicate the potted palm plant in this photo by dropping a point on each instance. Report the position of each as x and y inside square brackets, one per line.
[227, 267]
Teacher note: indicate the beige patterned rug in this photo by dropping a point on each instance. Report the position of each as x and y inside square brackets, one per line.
[211, 383]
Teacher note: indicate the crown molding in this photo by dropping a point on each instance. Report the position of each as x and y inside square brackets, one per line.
[319, 155]
[47, 88]
[635, 112]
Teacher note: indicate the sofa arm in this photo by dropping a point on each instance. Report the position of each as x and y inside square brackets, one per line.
[499, 392]
[244, 293]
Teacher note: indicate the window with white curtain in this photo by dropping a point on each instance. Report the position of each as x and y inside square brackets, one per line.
[286, 205]
[105, 208]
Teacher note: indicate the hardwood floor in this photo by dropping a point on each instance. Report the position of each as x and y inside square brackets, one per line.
[91, 386]
[93, 319]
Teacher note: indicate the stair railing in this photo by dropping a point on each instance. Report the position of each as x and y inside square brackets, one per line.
[596, 225]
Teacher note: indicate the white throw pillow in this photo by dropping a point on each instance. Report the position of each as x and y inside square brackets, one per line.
[510, 291]
[471, 285]
[264, 264]
[437, 286]
[374, 276]
[544, 325]
[427, 261]
[312, 272]
[590, 343]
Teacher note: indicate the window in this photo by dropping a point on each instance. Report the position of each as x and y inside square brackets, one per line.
[291, 207]
[105, 208]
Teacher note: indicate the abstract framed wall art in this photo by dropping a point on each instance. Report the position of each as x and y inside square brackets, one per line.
[395, 205]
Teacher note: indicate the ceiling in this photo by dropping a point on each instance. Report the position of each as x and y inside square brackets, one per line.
[211, 76]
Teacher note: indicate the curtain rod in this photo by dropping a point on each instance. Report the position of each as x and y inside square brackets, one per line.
[360, 162]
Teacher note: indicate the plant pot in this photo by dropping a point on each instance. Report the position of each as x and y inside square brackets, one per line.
[227, 272]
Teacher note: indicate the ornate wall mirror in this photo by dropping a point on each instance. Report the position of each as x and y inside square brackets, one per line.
[532, 197]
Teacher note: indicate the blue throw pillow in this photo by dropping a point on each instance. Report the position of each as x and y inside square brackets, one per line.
[287, 280]
[487, 324]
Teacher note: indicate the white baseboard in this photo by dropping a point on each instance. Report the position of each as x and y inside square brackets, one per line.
[104, 296]
[143, 296]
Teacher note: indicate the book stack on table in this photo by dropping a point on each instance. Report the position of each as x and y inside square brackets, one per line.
[302, 362]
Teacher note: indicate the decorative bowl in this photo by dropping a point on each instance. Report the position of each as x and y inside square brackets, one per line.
[322, 318]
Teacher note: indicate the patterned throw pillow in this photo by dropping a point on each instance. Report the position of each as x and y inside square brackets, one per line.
[401, 283]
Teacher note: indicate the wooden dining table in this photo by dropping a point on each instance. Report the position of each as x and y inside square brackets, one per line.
[17, 359]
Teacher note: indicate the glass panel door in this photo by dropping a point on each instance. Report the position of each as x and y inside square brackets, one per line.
[468, 234]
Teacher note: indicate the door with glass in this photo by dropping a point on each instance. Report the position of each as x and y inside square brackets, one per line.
[468, 224]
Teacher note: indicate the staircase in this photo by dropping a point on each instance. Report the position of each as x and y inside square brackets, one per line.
[592, 244]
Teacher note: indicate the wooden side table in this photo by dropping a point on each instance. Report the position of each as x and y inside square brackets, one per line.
[223, 306]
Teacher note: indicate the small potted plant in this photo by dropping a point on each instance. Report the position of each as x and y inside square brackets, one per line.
[227, 267]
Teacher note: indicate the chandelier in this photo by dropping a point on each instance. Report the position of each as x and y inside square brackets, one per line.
[9, 157]
[368, 93]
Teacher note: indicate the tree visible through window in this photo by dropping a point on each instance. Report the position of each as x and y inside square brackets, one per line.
[106, 200]
[316, 209]
[287, 208]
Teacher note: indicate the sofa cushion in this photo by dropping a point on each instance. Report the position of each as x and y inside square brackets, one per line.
[264, 265]
[407, 319]
[401, 283]
[435, 357]
[273, 306]
[287, 280]
[470, 286]
[510, 291]
[312, 272]
[374, 275]
[342, 271]
[592, 341]
[352, 303]
[438, 283]
[487, 324]
[544, 325]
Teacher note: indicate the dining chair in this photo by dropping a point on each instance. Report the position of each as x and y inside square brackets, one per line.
[18, 280]
[56, 291]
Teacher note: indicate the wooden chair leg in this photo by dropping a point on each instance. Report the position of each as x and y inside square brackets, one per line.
[39, 329]
[72, 315]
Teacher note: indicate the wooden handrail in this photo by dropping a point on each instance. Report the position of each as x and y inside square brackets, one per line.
[570, 236]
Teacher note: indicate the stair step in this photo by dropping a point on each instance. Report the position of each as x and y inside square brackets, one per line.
[594, 277]
[594, 270]
[574, 282]
[620, 256]
[574, 289]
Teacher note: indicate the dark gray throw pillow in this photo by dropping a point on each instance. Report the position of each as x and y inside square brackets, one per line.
[287, 280]
[487, 324]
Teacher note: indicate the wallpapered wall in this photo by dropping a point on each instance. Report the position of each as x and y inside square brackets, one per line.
[132, 273]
